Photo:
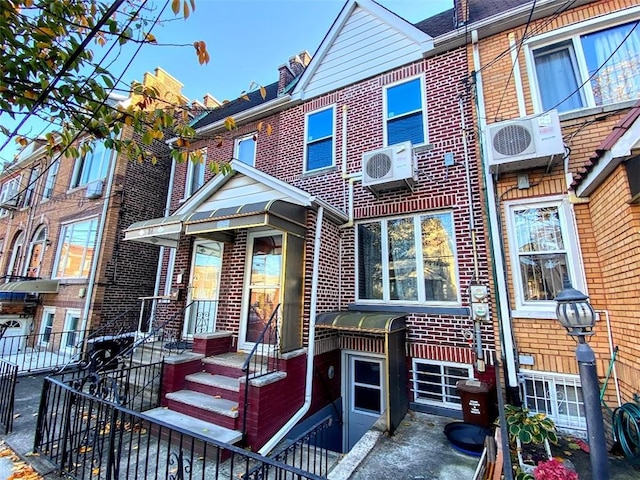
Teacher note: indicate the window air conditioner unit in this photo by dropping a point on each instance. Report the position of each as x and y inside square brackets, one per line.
[525, 142]
[94, 189]
[391, 167]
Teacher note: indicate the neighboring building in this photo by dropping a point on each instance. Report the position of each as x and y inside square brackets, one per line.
[65, 268]
[558, 87]
[360, 215]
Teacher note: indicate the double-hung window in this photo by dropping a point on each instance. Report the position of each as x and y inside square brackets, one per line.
[404, 115]
[50, 182]
[75, 252]
[9, 194]
[319, 135]
[589, 69]
[543, 250]
[408, 260]
[31, 187]
[245, 149]
[91, 166]
[195, 175]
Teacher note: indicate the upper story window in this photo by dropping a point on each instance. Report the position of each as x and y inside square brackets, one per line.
[319, 134]
[543, 251]
[75, 251]
[9, 194]
[31, 187]
[36, 250]
[408, 259]
[404, 115]
[245, 149]
[50, 182]
[15, 254]
[589, 69]
[91, 166]
[195, 175]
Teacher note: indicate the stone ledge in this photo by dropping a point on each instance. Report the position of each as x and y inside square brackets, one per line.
[183, 358]
[212, 335]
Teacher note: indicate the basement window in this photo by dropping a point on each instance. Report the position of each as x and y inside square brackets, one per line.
[434, 383]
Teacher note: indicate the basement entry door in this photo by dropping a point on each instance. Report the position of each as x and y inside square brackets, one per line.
[364, 395]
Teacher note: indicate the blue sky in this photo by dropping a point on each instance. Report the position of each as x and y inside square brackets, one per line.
[246, 39]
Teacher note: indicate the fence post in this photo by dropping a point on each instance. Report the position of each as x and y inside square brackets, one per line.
[44, 400]
[113, 456]
[67, 426]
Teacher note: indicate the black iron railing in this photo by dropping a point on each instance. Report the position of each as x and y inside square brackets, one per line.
[8, 377]
[42, 351]
[262, 360]
[92, 438]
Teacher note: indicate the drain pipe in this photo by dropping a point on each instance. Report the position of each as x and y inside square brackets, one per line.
[275, 439]
[495, 234]
[167, 209]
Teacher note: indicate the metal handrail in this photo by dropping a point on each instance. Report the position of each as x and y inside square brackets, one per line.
[273, 335]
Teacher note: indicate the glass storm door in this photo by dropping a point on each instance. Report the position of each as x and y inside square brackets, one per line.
[365, 396]
[263, 285]
[204, 288]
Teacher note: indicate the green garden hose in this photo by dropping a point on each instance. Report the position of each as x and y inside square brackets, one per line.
[626, 429]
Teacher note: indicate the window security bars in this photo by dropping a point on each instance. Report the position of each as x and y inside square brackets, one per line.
[435, 383]
[8, 377]
[91, 438]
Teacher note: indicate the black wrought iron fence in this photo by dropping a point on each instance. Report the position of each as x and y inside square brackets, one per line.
[42, 351]
[8, 377]
[87, 437]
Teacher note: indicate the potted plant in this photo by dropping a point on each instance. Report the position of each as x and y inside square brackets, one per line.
[531, 434]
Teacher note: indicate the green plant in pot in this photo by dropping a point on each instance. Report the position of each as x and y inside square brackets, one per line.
[531, 435]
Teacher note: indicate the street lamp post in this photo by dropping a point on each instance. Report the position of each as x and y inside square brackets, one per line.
[575, 314]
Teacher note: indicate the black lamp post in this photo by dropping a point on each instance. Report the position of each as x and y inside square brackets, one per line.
[576, 315]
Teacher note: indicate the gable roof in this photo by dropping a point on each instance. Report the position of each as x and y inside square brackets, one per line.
[621, 143]
[364, 40]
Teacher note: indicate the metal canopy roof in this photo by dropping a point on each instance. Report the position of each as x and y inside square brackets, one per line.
[157, 231]
[30, 286]
[371, 322]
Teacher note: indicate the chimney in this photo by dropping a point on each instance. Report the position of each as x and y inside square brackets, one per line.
[210, 101]
[461, 12]
[299, 62]
[285, 77]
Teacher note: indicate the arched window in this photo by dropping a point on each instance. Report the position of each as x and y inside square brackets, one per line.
[14, 256]
[36, 249]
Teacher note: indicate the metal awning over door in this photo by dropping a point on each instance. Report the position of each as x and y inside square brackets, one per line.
[30, 286]
[164, 231]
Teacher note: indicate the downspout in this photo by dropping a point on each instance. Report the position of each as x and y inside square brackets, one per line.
[96, 254]
[495, 234]
[477, 327]
[279, 435]
[167, 207]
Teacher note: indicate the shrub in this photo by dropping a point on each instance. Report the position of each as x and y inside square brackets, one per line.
[553, 470]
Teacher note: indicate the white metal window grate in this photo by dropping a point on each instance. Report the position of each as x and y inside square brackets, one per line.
[434, 383]
[559, 396]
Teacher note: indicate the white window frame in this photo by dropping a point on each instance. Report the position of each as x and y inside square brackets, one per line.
[544, 308]
[191, 171]
[80, 164]
[54, 273]
[30, 188]
[552, 379]
[239, 140]
[50, 182]
[443, 384]
[171, 262]
[333, 138]
[9, 190]
[35, 241]
[572, 33]
[423, 99]
[386, 285]
[46, 311]
[64, 347]
[16, 251]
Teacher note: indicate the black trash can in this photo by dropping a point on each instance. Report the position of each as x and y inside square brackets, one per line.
[478, 402]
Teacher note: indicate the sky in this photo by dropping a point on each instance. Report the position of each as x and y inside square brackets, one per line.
[246, 39]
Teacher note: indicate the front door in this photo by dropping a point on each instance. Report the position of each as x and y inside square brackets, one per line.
[364, 395]
[262, 285]
[204, 287]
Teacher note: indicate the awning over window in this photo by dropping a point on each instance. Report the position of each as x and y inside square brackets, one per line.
[163, 231]
[30, 286]
[272, 213]
[371, 322]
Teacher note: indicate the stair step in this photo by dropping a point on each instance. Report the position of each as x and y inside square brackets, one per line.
[218, 381]
[206, 402]
[202, 428]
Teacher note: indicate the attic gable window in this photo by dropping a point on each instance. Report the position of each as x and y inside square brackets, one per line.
[404, 114]
[319, 135]
[596, 68]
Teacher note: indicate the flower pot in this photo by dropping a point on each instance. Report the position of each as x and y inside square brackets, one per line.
[531, 453]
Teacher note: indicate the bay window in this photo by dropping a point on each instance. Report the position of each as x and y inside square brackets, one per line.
[408, 260]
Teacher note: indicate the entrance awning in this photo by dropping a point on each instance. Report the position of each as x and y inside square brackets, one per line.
[272, 213]
[30, 286]
[370, 322]
[164, 231]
